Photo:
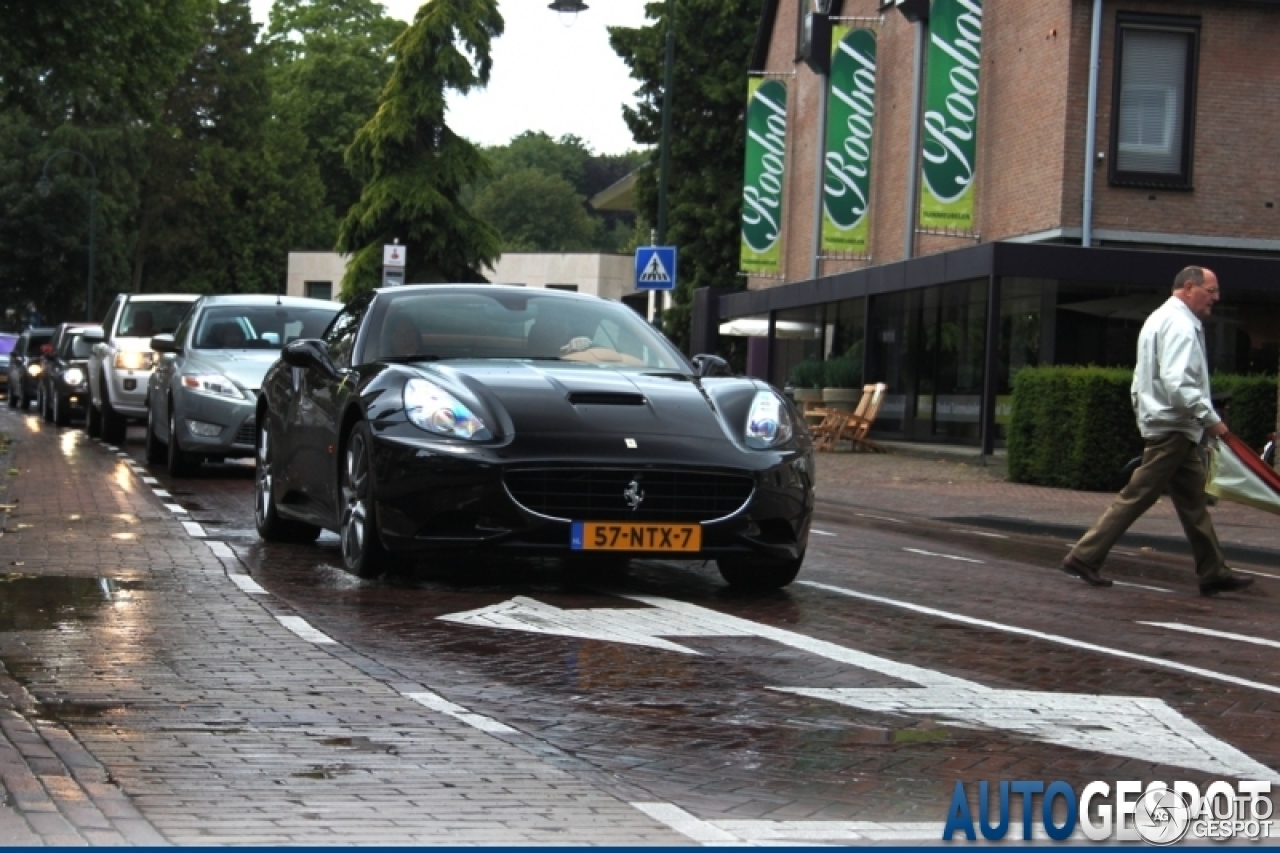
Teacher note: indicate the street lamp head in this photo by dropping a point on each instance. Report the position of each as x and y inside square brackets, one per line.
[44, 186]
[568, 10]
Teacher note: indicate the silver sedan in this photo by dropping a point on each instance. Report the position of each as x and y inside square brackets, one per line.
[203, 391]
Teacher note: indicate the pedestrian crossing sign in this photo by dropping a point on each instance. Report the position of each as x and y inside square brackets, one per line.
[656, 268]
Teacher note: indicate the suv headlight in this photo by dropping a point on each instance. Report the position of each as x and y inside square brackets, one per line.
[73, 376]
[768, 423]
[213, 384]
[432, 408]
[35, 369]
[135, 360]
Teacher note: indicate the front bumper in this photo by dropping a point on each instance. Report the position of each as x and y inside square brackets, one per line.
[129, 390]
[198, 415]
[75, 397]
[433, 496]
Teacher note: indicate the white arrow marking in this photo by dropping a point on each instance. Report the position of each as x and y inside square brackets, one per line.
[1131, 727]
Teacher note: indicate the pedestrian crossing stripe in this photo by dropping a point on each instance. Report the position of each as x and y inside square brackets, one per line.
[654, 271]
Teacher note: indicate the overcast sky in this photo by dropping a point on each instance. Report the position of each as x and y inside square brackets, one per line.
[546, 76]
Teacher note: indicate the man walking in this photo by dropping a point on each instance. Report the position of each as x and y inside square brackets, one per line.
[1171, 398]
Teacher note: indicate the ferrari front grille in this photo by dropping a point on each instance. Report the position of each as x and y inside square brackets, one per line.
[622, 494]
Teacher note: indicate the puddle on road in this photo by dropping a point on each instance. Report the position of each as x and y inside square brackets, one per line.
[45, 602]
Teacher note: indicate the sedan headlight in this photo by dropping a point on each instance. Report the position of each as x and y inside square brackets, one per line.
[768, 424]
[432, 408]
[213, 384]
[35, 369]
[135, 360]
[73, 376]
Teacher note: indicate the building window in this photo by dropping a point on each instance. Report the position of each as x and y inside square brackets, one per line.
[1153, 101]
[572, 288]
[318, 290]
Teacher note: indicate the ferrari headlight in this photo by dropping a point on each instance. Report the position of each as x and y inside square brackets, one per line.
[73, 376]
[432, 408]
[768, 423]
[134, 360]
[214, 384]
[35, 369]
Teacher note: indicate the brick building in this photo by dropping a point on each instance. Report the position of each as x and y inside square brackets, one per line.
[1067, 233]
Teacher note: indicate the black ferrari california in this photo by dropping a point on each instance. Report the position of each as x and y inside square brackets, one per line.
[486, 418]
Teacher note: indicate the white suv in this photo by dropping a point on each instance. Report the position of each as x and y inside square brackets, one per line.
[121, 360]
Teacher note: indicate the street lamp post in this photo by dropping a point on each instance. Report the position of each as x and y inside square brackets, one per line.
[44, 186]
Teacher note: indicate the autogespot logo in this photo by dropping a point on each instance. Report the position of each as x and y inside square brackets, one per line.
[1158, 813]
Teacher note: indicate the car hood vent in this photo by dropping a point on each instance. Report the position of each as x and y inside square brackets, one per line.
[605, 398]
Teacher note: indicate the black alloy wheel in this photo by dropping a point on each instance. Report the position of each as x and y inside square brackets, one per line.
[114, 425]
[180, 463]
[758, 573]
[362, 550]
[271, 527]
[157, 450]
[93, 421]
[13, 398]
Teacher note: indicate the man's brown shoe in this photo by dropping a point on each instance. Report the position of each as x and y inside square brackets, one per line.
[1227, 583]
[1072, 566]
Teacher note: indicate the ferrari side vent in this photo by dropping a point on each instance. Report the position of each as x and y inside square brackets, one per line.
[628, 494]
[605, 398]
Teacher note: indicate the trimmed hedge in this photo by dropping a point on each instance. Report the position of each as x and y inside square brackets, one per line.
[1074, 427]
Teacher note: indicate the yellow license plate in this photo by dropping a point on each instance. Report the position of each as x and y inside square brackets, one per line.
[634, 536]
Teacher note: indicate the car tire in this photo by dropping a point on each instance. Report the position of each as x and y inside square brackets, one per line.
[114, 425]
[758, 574]
[13, 398]
[157, 451]
[61, 411]
[271, 527]
[42, 404]
[179, 462]
[93, 421]
[363, 553]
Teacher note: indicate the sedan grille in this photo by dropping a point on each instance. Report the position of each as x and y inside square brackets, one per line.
[607, 494]
[247, 434]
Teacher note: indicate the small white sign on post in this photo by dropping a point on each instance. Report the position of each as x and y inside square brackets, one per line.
[393, 258]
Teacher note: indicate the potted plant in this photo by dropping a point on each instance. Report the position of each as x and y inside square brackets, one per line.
[806, 381]
[842, 383]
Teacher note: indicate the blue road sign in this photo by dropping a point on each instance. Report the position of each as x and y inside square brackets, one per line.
[655, 268]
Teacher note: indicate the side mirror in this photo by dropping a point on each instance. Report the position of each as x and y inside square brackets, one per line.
[711, 365]
[165, 343]
[93, 336]
[310, 352]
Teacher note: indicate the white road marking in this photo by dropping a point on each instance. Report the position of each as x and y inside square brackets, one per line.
[161, 493]
[1052, 638]
[246, 583]
[820, 532]
[1132, 727]
[1208, 632]
[150, 481]
[194, 529]
[944, 556]
[1259, 574]
[299, 626]
[1142, 586]
[480, 721]
[175, 508]
[879, 517]
[221, 550]
[688, 825]
[986, 533]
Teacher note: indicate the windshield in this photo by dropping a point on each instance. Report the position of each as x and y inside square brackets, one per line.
[259, 326]
[148, 319]
[438, 325]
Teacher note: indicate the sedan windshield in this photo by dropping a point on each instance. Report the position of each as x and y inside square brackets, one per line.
[259, 326]
[434, 325]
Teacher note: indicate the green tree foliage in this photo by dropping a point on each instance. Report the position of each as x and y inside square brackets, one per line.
[713, 51]
[536, 212]
[329, 62]
[412, 166]
[90, 59]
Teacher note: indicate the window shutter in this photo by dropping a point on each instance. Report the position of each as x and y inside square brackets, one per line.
[1153, 97]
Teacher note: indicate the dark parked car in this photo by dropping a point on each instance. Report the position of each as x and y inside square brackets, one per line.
[7, 342]
[63, 385]
[439, 418]
[25, 366]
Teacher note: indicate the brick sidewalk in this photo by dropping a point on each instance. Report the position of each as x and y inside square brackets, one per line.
[938, 485]
[170, 704]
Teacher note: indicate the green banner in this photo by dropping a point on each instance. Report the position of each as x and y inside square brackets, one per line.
[765, 167]
[950, 129]
[846, 192]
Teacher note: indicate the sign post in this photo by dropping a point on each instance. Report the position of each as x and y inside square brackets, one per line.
[393, 258]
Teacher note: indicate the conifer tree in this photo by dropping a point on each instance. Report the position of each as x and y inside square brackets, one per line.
[412, 166]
